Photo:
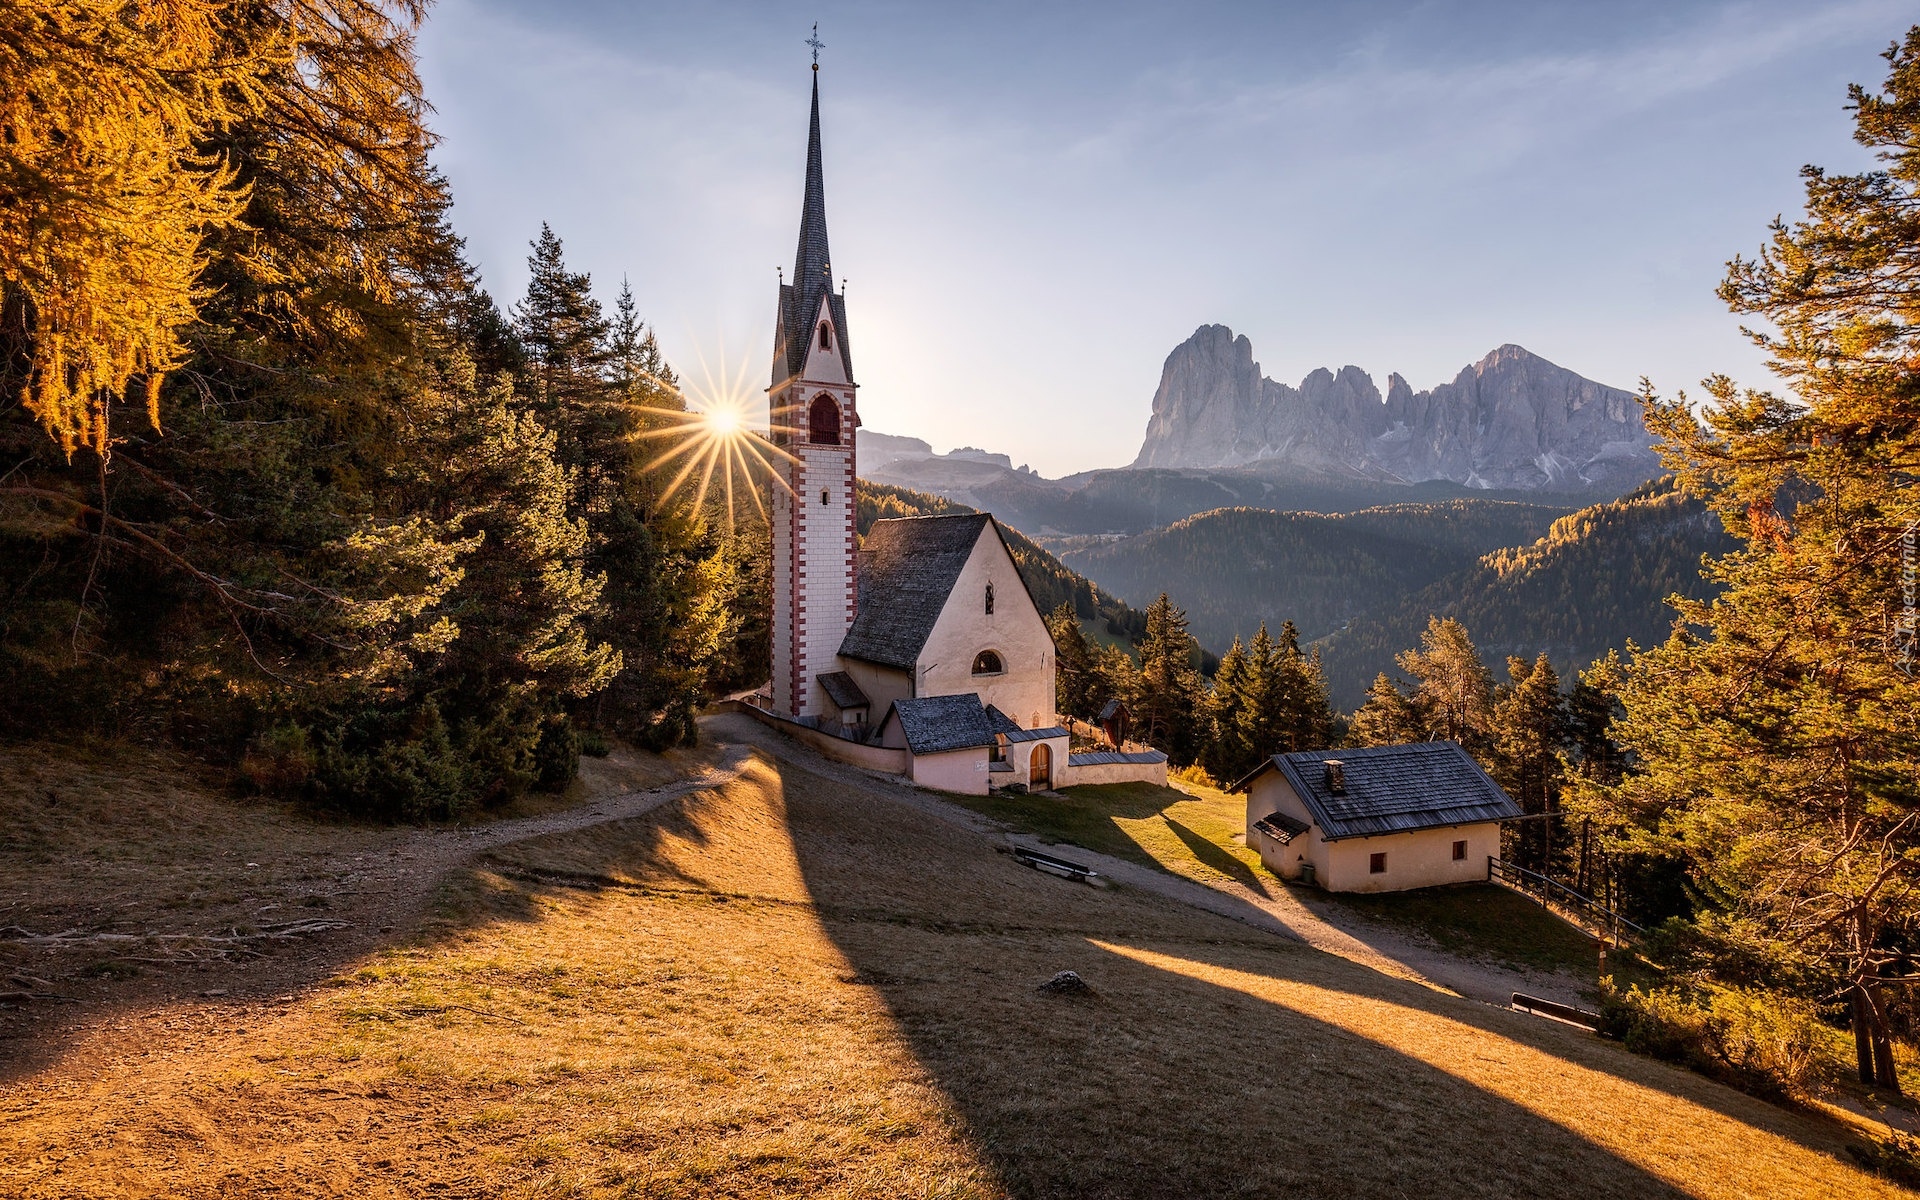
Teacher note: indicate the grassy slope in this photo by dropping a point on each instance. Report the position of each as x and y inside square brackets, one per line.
[1195, 832]
[788, 986]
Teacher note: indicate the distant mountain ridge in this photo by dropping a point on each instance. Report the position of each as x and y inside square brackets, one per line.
[1512, 421]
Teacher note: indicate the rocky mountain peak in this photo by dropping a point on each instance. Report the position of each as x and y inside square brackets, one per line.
[1510, 420]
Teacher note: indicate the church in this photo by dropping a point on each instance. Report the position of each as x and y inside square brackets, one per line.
[920, 651]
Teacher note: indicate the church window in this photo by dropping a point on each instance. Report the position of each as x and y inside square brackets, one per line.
[826, 336]
[823, 422]
[988, 663]
[824, 498]
[989, 599]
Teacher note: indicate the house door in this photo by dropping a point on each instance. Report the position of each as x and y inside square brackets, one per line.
[1040, 767]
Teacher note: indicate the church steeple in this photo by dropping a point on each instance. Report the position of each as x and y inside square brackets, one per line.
[812, 271]
[813, 503]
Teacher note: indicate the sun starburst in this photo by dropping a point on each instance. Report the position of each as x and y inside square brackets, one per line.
[713, 449]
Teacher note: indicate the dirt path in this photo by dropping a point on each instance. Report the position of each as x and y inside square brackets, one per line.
[1320, 925]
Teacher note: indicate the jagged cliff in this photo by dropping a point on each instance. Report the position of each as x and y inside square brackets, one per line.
[1511, 420]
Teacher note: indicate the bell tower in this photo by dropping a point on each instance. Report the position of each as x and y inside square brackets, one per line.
[812, 419]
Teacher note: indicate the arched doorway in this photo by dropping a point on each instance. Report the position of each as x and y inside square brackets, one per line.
[1040, 767]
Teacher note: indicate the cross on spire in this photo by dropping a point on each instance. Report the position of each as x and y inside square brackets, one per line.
[817, 45]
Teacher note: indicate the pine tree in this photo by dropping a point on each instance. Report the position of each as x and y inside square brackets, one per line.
[1777, 733]
[1304, 720]
[1166, 708]
[1077, 684]
[1529, 731]
[1388, 718]
[1454, 692]
[1228, 754]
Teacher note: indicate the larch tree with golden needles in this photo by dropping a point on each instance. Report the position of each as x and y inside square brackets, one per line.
[1777, 733]
[105, 196]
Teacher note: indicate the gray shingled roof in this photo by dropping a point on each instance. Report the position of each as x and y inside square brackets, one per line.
[905, 579]
[1392, 789]
[843, 690]
[1038, 735]
[812, 271]
[1100, 758]
[1000, 722]
[936, 723]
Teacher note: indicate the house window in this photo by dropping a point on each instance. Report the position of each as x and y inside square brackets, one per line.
[1460, 851]
[823, 422]
[826, 336]
[988, 663]
[989, 599]
[1377, 863]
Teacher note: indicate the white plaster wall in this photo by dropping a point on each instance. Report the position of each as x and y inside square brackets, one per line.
[1154, 773]
[1015, 630]
[1271, 793]
[1421, 858]
[826, 562]
[1020, 754]
[883, 685]
[963, 771]
[784, 699]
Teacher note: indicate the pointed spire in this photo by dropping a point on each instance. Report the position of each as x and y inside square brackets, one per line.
[812, 269]
[812, 266]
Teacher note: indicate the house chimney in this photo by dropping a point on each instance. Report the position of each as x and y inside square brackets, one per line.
[1336, 776]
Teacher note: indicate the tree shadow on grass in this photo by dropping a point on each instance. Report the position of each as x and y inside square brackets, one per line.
[1181, 1075]
[1170, 1083]
[1212, 855]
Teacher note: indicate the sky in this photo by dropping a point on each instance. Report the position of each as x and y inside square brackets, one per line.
[1032, 204]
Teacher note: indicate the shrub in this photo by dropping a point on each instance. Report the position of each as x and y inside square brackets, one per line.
[556, 756]
[1195, 774]
[594, 744]
[1760, 1042]
[279, 760]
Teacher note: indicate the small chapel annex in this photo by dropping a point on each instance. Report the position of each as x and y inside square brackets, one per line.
[920, 652]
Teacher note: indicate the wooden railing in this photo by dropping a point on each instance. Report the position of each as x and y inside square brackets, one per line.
[1551, 893]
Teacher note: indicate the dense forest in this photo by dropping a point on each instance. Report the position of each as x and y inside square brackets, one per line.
[1134, 500]
[283, 484]
[1239, 567]
[1596, 579]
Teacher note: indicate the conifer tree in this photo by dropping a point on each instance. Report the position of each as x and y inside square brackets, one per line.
[1388, 718]
[1777, 732]
[1455, 691]
[1166, 706]
[1305, 720]
[1077, 683]
[1529, 730]
[1228, 754]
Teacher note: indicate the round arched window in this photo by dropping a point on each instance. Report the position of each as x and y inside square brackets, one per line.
[826, 336]
[988, 663]
[823, 422]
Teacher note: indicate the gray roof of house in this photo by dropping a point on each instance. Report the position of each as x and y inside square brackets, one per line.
[843, 690]
[1392, 789]
[1281, 827]
[905, 579]
[933, 724]
[1037, 735]
[812, 271]
[1111, 709]
[1099, 758]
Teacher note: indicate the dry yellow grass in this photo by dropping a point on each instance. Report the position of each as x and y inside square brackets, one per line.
[797, 985]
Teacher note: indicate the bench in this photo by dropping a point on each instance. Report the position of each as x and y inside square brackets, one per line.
[1054, 866]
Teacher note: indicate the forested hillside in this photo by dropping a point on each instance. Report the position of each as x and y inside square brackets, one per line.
[1597, 578]
[284, 486]
[1050, 581]
[1235, 568]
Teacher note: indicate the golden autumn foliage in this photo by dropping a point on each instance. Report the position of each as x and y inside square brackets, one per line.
[104, 196]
